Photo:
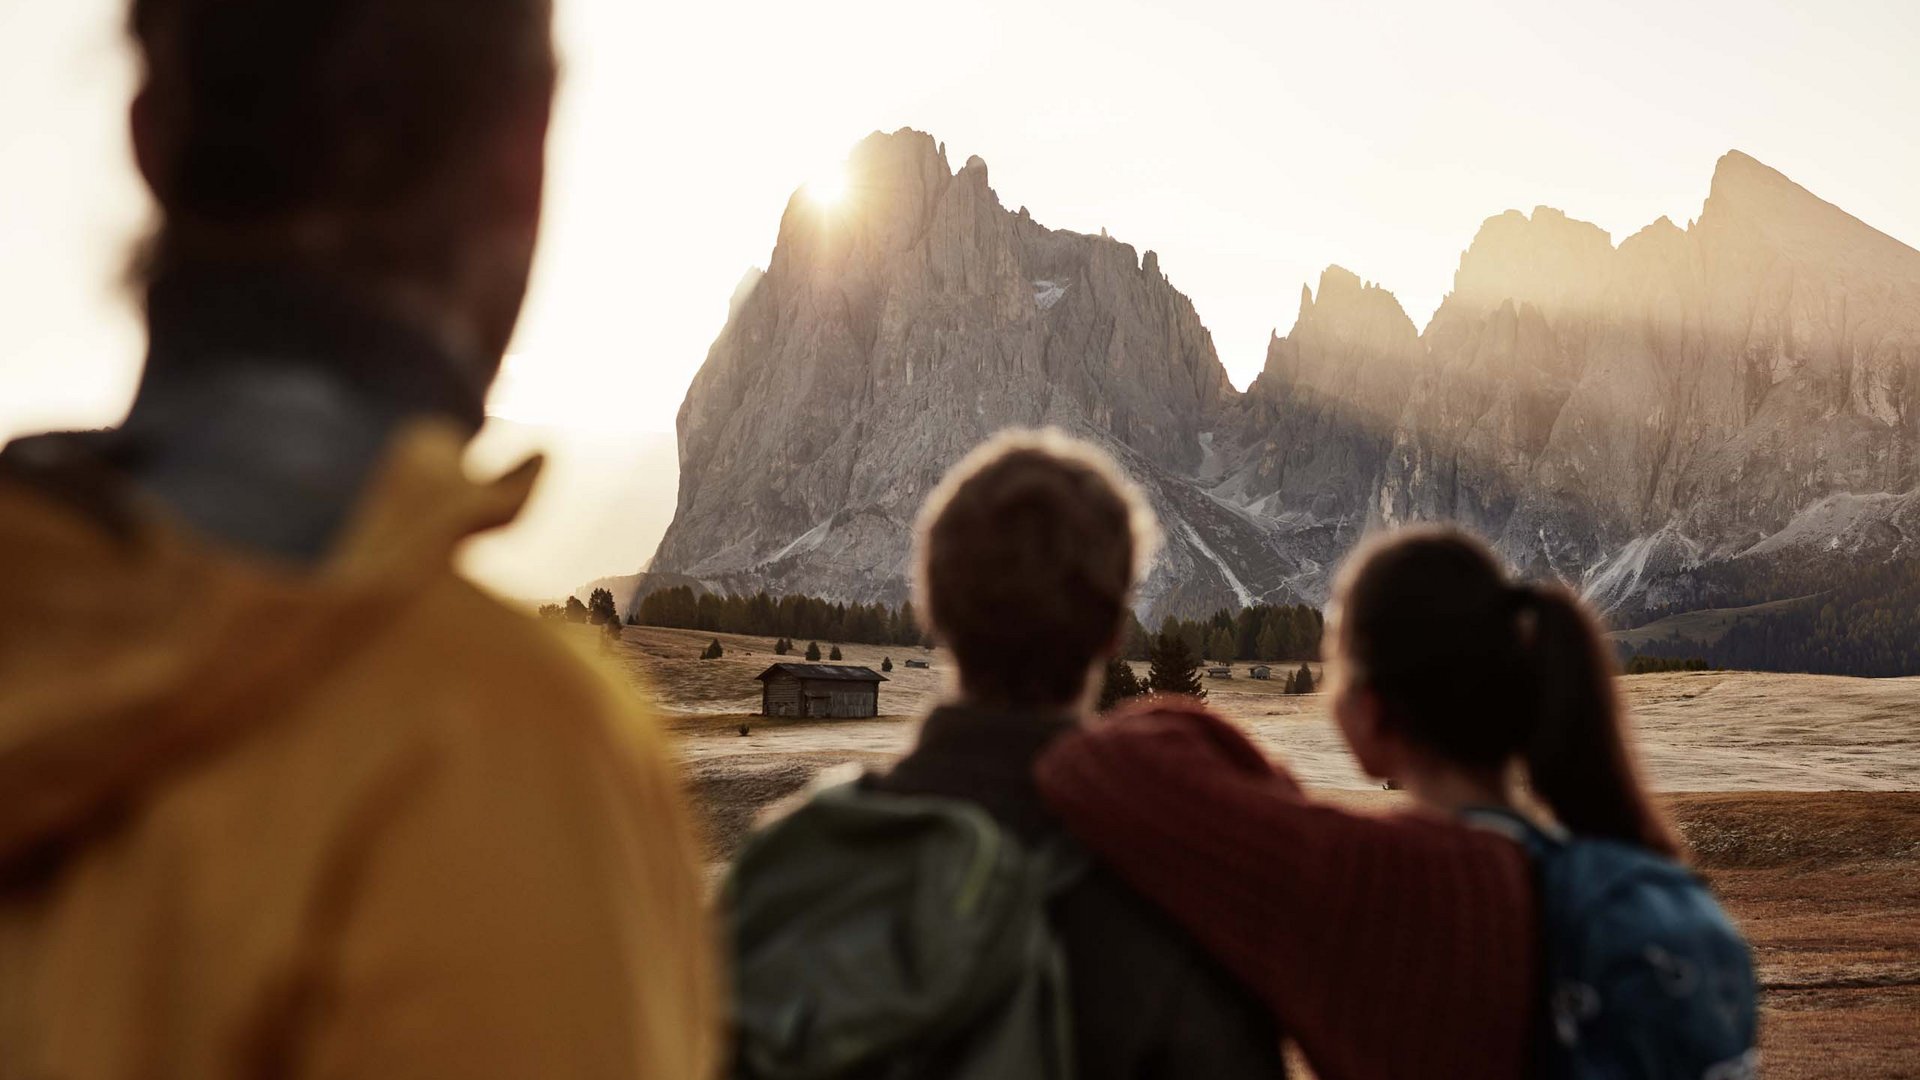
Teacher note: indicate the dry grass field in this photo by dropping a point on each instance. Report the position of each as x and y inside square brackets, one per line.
[1800, 796]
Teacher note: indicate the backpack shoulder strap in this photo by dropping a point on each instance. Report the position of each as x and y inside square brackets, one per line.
[1539, 839]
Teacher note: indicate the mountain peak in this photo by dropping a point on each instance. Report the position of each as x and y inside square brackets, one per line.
[1747, 193]
[1736, 166]
[1544, 258]
[1743, 181]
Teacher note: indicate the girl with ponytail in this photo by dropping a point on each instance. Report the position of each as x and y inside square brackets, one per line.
[1446, 675]
[1434, 941]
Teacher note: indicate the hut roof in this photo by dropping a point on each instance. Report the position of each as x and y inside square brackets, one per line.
[840, 672]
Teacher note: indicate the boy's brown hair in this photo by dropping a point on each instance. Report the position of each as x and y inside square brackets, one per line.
[1027, 555]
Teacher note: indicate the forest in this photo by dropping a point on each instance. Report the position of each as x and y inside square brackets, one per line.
[1867, 625]
[787, 616]
[1262, 632]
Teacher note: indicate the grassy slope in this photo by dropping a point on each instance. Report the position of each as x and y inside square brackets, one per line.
[1708, 625]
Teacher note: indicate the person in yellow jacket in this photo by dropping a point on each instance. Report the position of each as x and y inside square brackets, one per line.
[281, 795]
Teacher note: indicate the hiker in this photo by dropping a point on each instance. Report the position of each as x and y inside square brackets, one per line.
[1464, 936]
[932, 921]
[280, 793]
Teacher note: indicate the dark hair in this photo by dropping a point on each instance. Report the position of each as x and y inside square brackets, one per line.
[272, 108]
[1480, 669]
[1028, 552]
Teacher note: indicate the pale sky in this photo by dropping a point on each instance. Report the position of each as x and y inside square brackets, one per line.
[1249, 143]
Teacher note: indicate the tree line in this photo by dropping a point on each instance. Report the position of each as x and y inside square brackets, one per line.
[1649, 665]
[1173, 667]
[598, 611]
[793, 616]
[1263, 632]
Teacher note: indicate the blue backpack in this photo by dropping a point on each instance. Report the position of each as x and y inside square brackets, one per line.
[1645, 977]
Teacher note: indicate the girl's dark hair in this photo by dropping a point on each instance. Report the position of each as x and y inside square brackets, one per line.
[1481, 669]
[270, 108]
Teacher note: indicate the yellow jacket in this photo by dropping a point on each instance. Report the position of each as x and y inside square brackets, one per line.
[357, 821]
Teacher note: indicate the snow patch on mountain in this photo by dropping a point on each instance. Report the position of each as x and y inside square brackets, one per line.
[1048, 293]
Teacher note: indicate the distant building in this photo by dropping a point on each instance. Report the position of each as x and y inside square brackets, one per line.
[835, 691]
[1260, 671]
[921, 664]
[1219, 673]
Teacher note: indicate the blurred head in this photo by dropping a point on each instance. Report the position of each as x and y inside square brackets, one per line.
[1437, 656]
[394, 144]
[1027, 556]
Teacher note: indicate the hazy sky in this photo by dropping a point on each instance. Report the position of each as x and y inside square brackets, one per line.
[1249, 143]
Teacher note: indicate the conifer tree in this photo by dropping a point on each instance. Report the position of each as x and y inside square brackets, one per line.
[1303, 680]
[1220, 645]
[713, 651]
[1118, 684]
[886, 663]
[813, 652]
[835, 654]
[1290, 683]
[1172, 664]
[600, 609]
[1269, 646]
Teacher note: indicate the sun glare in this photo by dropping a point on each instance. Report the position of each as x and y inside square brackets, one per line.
[829, 188]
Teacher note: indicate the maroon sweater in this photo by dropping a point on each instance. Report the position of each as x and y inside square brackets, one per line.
[1389, 947]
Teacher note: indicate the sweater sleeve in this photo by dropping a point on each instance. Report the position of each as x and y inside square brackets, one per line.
[1386, 946]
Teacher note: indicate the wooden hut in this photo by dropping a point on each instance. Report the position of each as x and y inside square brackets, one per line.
[1260, 671]
[1219, 673]
[838, 691]
[921, 664]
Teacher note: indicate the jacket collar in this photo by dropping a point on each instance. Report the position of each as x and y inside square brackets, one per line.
[123, 657]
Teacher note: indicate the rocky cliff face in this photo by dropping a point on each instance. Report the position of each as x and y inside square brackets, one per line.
[1633, 419]
[888, 338]
[1623, 417]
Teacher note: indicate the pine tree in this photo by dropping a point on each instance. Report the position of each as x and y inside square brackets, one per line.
[600, 609]
[1171, 670]
[1119, 684]
[835, 654]
[576, 611]
[1303, 680]
[886, 663]
[1269, 646]
[713, 651]
[1220, 645]
[1290, 684]
[782, 647]
[813, 652]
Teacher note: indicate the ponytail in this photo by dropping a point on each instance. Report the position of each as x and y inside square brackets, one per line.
[1578, 753]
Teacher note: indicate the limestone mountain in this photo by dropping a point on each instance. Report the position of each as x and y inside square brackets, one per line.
[1691, 417]
[886, 339]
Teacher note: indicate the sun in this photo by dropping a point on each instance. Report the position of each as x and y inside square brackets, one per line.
[828, 189]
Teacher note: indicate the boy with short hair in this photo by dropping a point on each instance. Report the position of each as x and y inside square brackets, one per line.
[934, 920]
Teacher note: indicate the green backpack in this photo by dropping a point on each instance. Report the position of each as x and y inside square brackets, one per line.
[883, 936]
